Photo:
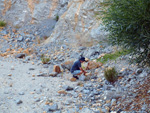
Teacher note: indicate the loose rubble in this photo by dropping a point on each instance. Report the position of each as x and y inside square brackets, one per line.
[28, 85]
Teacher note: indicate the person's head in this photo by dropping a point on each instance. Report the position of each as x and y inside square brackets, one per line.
[82, 59]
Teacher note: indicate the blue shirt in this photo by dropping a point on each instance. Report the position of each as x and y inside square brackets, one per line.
[76, 66]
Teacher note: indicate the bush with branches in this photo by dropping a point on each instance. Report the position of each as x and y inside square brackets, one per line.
[128, 22]
[2, 23]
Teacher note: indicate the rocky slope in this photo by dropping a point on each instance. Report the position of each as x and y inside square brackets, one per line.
[24, 84]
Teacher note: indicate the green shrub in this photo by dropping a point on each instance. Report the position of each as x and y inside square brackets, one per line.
[3, 24]
[110, 74]
[128, 22]
[44, 59]
[57, 18]
[113, 56]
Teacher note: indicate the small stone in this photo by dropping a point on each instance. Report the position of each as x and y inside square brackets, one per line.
[68, 102]
[39, 91]
[42, 75]
[20, 39]
[46, 108]
[21, 93]
[88, 85]
[148, 91]
[86, 91]
[67, 88]
[19, 101]
[9, 74]
[12, 68]
[73, 79]
[27, 40]
[21, 55]
[113, 102]
[27, 58]
[144, 107]
[33, 78]
[82, 78]
[31, 68]
[53, 74]
[49, 108]
[45, 66]
[86, 110]
[6, 92]
[107, 108]
[57, 112]
[62, 92]
[138, 71]
[37, 100]
[144, 74]
[113, 112]
[11, 85]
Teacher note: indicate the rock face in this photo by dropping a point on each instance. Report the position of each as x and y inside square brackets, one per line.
[78, 25]
[31, 11]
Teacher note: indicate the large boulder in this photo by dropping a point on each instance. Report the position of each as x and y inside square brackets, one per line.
[93, 65]
[67, 64]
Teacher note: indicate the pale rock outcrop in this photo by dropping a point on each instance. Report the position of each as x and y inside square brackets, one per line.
[78, 25]
[22, 12]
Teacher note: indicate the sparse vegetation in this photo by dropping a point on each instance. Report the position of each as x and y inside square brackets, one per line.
[41, 40]
[45, 37]
[128, 22]
[44, 59]
[3, 24]
[57, 18]
[110, 74]
[17, 26]
[113, 56]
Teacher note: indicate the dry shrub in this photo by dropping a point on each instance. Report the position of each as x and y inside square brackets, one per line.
[44, 59]
[110, 74]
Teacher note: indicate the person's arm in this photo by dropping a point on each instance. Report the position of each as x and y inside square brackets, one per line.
[83, 70]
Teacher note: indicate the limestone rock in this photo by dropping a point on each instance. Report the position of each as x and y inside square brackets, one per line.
[30, 11]
[42, 75]
[93, 65]
[113, 102]
[62, 92]
[73, 79]
[21, 55]
[82, 78]
[50, 108]
[67, 88]
[53, 74]
[56, 69]
[86, 110]
[67, 64]
[19, 101]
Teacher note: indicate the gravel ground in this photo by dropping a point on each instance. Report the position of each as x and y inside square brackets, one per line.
[21, 92]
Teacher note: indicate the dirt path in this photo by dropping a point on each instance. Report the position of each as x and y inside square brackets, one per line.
[18, 83]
